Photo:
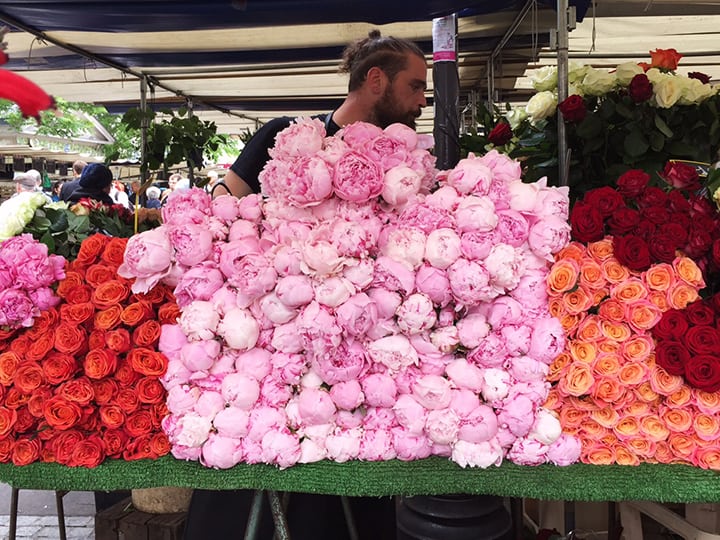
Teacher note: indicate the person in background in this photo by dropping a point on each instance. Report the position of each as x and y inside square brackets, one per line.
[212, 180]
[153, 197]
[24, 183]
[387, 84]
[71, 185]
[135, 186]
[95, 182]
[117, 194]
[56, 188]
[172, 185]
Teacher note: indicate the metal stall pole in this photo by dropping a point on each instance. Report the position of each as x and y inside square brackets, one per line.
[562, 66]
[447, 91]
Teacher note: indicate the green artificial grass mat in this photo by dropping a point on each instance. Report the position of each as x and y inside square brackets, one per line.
[432, 476]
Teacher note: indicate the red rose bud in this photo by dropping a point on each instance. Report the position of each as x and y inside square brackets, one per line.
[681, 176]
[500, 134]
[633, 182]
[573, 108]
[640, 88]
[705, 79]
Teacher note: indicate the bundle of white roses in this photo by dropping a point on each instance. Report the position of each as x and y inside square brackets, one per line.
[361, 309]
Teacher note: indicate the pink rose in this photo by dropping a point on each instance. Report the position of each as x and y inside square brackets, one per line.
[379, 390]
[470, 175]
[481, 454]
[232, 422]
[400, 185]
[148, 257]
[357, 178]
[221, 452]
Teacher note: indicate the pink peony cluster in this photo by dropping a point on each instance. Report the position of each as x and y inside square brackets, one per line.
[27, 274]
[367, 307]
[607, 387]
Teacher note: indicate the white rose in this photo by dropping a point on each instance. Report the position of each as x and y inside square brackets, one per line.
[541, 105]
[544, 78]
[577, 72]
[667, 91]
[625, 72]
[654, 75]
[515, 117]
[597, 82]
[694, 91]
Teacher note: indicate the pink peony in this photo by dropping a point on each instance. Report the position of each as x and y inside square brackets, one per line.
[148, 257]
[221, 452]
[232, 422]
[357, 178]
[199, 283]
[394, 352]
[200, 355]
[192, 243]
[303, 137]
[476, 214]
[379, 389]
[465, 375]
[357, 314]
[442, 248]
[470, 175]
[400, 185]
[416, 314]
[281, 448]
[442, 426]
[239, 329]
[315, 406]
[199, 320]
[481, 455]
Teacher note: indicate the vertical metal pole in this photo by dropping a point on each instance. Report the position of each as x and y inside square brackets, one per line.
[13, 512]
[61, 513]
[282, 531]
[143, 131]
[447, 90]
[562, 65]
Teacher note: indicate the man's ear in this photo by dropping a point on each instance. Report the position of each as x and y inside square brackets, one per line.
[376, 80]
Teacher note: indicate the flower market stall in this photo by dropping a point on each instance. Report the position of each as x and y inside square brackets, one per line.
[369, 325]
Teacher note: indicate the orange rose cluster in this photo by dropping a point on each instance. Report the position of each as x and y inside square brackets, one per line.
[83, 384]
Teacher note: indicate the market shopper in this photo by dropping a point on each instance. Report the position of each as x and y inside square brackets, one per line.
[94, 183]
[71, 185]
[387, 84]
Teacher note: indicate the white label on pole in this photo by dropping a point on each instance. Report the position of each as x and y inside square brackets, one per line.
[443, 33]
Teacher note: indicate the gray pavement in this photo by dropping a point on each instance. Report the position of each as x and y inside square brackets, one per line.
[37, 515]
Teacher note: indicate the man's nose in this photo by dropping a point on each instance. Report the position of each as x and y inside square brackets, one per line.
[423, 101]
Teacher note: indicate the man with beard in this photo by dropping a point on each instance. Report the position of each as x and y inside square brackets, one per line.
[388, 80]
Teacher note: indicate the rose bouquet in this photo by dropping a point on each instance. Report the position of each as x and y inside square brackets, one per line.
[27, 274]
[360, 311]
[609, 386]
[82, 383]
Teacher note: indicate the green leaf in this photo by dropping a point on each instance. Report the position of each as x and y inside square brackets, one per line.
[590, 128]
[657, 141]
[662, 126]
[636, 144]
[625, 111]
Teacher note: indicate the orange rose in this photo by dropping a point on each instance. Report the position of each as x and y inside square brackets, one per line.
[61, 413]
[557, 366]
[601, 250]
[645, 392]
[679, 398]
[98, 274]
[8, 417]
[100, 363]
[625, 456]
[43, 322]
[607, 417]
[91, 248]
[555, 307]
[611, 310]
[9, 362]
[654, 428]
[678, 420]
[150, 390]
[583, 351]
[563, 276]
[109, 318]
[15, 399]
[110, 293]
[570, 323]
[136, 313]
[138, 423]
[591, 275]
[577, 301]
[574, 251]
[115, 441]
[127, 400]
[659, 299]
[168, 313]
[606, 364]
[609, 346]
[615, 330]
[553, 400]
[643, 315]
[607, 389]
[112, 416]
[40, 346]
[642, 446]
[69, 339]
[708, 458]
[632, 374]
[663, 453]
[159, 444]
[72, 279]
[637, 348]
[626, 427]
[21, 344]
[104, 390]
[590, 427]
[118, 340]
[158, 411]
[576, 380]
[78, 391]
[77, 313]
[665, 59]
[659, 277]
[637, 409]
[114, 251]
[596, 453]
[582, 403]
[147, 362]
[629, 290]
[571, 417]
[89, 452]
[79, 294]
[28, 377]
[96, 339]
[63, 444]
[589, 329]
[25, 451]
[155, 296]
[680, 294]
[614, 271]
[706, 426]
[707, 402]
[125, 373]
[663, 383]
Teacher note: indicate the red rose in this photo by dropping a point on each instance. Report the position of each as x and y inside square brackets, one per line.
[109, 318]
[43, 322]
[98, 274]
[573, 108]
[155, 296]
[657, 215]
[623, 221]
[118, 340]
[703, 339]
[705, 79]
[665, 59]
[61, 413]
[127, 399]
[139, 448]
[26, 422]
[112, 416]
[41, 345]
[640, 88]
[158, 411]
[25, 451]
[139, 423]
[114, 251]
[159, 444]
[147, 334]
[147, 361]
[6, 446]
[652, 196]
[110, 293]
[77, 313]
[64, 443]
[35, 403]
[28, 377]
[702, 371]
[115, 441]
[69, 339]
[500, 134]
[72, 279]
[91, 248]
[681, 176]
[96, 339]
[150, 390]
[79, 294]
[678, 204]
[587, 223]
[16, 399]
[78, 391]
[89, 452]
[21, 344]
[168, 313]
[662, 248]
[136, 313]
[674, 230]
[716, 252]
[699, 243]
[700, 313]
[125, 373]
[632, 183]
[100, 363]
[8, 417]
[105, 390]
[606, 199]
[671, 356]
[9, 362]
[632, 251]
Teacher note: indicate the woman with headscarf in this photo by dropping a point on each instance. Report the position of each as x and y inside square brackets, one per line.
[95, 183]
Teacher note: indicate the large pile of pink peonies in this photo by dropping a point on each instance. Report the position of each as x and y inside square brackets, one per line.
[366, 307]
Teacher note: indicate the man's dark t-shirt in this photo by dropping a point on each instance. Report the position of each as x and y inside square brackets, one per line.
[255, 154]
